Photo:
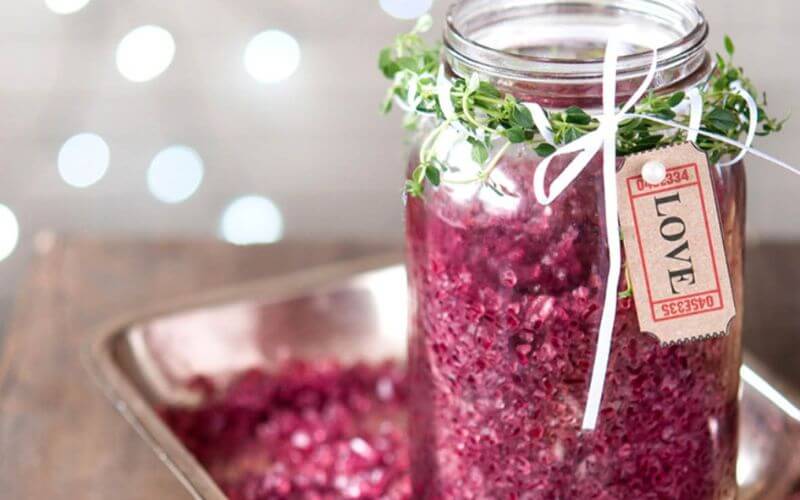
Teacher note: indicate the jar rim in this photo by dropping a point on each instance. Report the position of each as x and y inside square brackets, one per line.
[470, 54]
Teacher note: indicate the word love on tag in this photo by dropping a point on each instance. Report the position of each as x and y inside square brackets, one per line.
[673, 243]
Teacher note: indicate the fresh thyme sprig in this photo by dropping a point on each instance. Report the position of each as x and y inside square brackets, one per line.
[490, 116]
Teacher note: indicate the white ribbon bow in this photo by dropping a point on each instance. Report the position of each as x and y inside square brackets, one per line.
[605, 138]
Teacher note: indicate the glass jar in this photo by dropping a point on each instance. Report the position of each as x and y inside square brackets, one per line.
[507, 294]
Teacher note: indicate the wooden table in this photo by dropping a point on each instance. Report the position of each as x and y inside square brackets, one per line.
[59, 439]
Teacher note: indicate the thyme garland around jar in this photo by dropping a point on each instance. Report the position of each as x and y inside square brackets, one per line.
[507, 293]
[489, 115]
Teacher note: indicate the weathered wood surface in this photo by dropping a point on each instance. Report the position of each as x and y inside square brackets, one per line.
[59, 439]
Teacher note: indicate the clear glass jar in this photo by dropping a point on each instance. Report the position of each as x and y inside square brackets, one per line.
[507, 293]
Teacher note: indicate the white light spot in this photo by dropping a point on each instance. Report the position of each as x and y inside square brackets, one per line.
[83, 160]
[301, 440]
[9, 232]
[65, 6]
[175, 174]
[773, 395]
[145, 53]
[406, 9]
[747, 466]
[390, 310]
[250, 220]
[385, 389]
[272, 56]
[361, 448]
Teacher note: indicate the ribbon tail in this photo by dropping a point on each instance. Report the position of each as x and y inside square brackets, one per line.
[606, 330]
[541, 121]
[695, 113]
[443, 89]
[586, 147]
[609, 134]
[752, 108]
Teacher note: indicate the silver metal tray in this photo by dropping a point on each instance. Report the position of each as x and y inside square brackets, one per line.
[355, 311]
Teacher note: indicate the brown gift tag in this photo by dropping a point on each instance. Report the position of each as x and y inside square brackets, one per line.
[673, 243]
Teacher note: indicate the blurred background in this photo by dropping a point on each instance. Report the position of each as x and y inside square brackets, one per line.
[253, 121]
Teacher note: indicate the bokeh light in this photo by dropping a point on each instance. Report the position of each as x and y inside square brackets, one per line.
[83, 160]
[66, 6]
[250, 220]
[272, 56]
[9, 232]
[145, 53]
[175, 174]
[406, 9]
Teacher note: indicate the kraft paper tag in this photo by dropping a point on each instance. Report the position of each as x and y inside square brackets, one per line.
[673, 243]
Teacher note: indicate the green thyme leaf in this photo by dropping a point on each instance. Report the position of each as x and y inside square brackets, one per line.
[408, 64]
[522, 117]
[571, 134]
[577, 116]
[733, 75]
[729, 47]
[433, 176]
[665, 113]
[516, 135]
[386, 105]
[386, 63]
[722, 120]
[479, 151]
[488, 90]
[676, 99]
[411, 122]
[544, 149]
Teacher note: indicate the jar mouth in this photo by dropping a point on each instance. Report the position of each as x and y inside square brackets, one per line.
[564, 40]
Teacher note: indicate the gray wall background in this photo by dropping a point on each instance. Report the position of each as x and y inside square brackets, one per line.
[314, 143]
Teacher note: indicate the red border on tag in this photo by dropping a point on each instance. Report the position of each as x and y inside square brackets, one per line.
[716, 294]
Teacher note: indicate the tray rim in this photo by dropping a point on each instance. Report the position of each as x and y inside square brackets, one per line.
[97, 356]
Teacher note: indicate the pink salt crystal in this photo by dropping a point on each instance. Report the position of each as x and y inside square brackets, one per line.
[508, 278]
[385, 389]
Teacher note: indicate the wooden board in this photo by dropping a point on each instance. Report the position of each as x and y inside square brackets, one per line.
[772, 308]
[59, 438]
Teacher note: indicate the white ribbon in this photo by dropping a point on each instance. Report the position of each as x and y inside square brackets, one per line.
[752, 106]
[541, 122]
[443, 88]
[605, 137]
[696, 113]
